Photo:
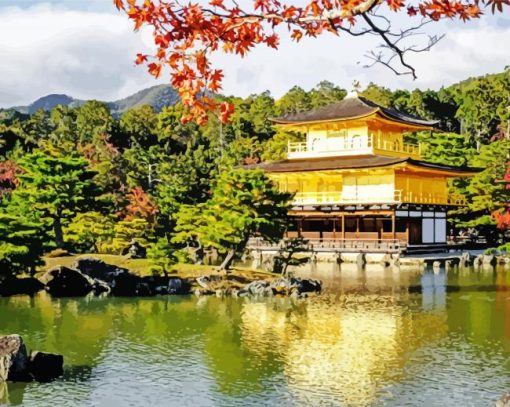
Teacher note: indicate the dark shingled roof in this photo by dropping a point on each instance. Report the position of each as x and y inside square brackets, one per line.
[351, 107]
[351, 162]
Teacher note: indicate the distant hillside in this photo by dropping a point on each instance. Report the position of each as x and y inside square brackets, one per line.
[157, 96]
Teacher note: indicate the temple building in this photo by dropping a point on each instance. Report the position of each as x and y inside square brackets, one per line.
[355, 179]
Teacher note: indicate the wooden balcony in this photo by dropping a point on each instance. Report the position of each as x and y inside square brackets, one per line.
[367, 144]
[399, 197]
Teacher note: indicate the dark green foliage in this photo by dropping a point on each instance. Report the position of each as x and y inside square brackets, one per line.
[56, 186]
[161, 255]
[291, 253]
[22, 242]
[244, 203]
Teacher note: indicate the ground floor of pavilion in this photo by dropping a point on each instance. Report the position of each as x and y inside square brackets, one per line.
[409, 227]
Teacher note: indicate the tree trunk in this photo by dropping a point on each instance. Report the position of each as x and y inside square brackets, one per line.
[227, 261]
[57, 229]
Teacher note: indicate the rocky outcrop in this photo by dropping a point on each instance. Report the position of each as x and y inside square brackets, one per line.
[222, 286]
[17, 286]
[13, 359]
[15, 365]
[45, 367]
[504, 400]
[135, 251]
[67, 282]
[120, 282]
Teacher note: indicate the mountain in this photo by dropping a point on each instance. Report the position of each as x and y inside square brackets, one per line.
[157, 96]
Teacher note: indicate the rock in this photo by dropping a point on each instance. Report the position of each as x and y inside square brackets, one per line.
[287, 286]
[135, 250]
[259, 288]
[66, 282]
[129, 285]
[378, 258]
[503, 260]
[504, 400]
[465, 259]
[358, 258]
[45, 367]
[489, 259]
[451, 263]
[210, 283]
[478, 260]
[120, 281]
[16, 286]
[100, 287]
[98, 269]
[13, 359]
[309, 286]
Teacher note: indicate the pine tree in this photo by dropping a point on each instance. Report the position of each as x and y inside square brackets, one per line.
[57, 186]
[244, 203]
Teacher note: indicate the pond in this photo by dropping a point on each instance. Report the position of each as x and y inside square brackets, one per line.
[374, 337]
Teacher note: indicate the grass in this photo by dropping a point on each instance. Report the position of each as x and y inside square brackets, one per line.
[141, 266]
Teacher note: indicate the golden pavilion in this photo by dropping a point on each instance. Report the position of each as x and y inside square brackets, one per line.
[355, 178]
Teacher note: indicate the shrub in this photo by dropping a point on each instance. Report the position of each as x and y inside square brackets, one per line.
[161, 255]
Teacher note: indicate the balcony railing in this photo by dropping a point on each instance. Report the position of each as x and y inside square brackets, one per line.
[338, 244]
[350, 146]
[338, 198]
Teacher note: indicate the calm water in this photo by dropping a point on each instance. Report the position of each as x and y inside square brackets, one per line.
[366, 341]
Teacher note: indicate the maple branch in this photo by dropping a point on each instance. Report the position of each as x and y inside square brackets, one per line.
[393, 46]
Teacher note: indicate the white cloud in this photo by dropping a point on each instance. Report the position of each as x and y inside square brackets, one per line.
[467, 50]
[89, 54]
[46, 49]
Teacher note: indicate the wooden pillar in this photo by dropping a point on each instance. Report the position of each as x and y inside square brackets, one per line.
[357, 227]
[334, 228]
[300, 226]
[343, 226]
[393, 226]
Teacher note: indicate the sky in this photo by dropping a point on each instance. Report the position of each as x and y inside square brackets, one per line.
[86, 49]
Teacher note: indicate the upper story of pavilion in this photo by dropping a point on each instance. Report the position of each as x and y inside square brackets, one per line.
[353, 127]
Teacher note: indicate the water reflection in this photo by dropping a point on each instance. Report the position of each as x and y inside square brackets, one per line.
[375, 336]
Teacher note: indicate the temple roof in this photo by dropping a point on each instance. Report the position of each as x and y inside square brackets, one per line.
[354, 162]
[351, 108]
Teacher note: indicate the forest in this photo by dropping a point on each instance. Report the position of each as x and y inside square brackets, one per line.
[83, 180]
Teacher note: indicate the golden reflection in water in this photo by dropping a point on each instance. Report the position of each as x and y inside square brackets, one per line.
[341, 355]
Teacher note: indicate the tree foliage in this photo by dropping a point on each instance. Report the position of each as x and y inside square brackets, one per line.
[244, 203]
[22, 243]
[57, 186]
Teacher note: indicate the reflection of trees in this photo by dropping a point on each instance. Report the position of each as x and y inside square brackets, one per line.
[481, 308]
[239, 369]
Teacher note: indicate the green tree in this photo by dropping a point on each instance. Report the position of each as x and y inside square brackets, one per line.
[161, 256]
[325, 93]
[377, 94]
[126, 231]
[140, 126]
[89, 231]
[244, 203]
[485, 191]
[22, 241]
[296, 100]
[276, 148]
[291, 254]
[94, 122]
[183, 179]
[57, 186]
[483, 105]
